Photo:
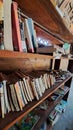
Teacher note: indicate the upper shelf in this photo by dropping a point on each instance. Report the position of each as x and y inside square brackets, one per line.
[44, 13]
[10, 61]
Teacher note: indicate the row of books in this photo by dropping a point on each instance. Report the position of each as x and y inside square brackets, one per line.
[19, 34]
[18, 89]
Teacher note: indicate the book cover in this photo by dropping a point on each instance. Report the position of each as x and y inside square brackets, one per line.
[15, 28]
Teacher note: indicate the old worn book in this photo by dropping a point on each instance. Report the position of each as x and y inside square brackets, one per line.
[22, 92]
[34, 90]
[8, 44]
[33, 33]
[19, 96]
[14, 98]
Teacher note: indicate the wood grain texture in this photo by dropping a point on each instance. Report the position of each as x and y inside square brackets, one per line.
[10, 61]
[43, 12]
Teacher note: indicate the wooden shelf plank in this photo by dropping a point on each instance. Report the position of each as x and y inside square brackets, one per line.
[43, 114]
[16, 54]
[11, 118]
[11, 60]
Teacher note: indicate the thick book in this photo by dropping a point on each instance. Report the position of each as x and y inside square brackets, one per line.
[16, 28]
[8, 44]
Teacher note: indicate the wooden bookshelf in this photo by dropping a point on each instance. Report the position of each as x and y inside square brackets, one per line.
[13, 117]
[44, 113]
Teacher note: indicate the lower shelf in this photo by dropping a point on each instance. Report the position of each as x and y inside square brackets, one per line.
[13, 117]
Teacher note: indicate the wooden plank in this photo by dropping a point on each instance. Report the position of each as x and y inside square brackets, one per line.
[10, 61]
[46, 50]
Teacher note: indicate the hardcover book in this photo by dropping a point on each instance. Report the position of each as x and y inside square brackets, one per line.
[16, 28]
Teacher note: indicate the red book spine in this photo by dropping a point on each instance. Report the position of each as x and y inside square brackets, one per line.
[16, 28]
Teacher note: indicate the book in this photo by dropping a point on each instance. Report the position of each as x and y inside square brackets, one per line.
[22, 92]
[5, 96]
[24, 47]
[1, 35]
[1, 10]
[19, 96]
[8, 44]
[33, 33]
[21, 25]
[34, 90]
[14, 102]
[27, 90]
[28, 38]
[16, 28]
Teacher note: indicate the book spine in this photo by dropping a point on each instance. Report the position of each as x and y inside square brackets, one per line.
[14, 98]
[8, 44]
[38, 87]
[34, 90]
[1, 11]
[32, 31]
[16, 28]
[5, 95]
[28, 37]
[30, 90]
[3, 109]
[22, 92]
[27, 90]
[19, 96]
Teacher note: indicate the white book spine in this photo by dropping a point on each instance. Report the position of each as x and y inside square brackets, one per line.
[38, 87]
[34, 90]
[22, 91]
[29, 98]
[2, 100]
[25, 92]
[5, 95]
[7, 25]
